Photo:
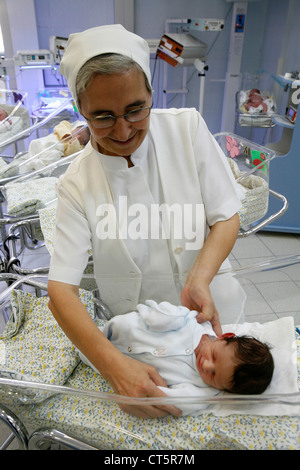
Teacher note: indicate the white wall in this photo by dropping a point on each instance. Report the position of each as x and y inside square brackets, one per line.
[18, 24]
[63, 17]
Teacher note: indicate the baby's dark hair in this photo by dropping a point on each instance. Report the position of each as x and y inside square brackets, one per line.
[255, 366]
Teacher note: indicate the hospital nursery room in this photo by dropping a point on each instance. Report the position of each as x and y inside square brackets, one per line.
[149, 227]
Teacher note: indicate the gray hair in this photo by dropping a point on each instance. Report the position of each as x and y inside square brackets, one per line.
[105, 64]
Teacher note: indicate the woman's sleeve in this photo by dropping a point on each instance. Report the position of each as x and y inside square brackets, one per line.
[72, 240]
[218, 187]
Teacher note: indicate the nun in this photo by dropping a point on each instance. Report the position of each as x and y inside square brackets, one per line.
[151, 197]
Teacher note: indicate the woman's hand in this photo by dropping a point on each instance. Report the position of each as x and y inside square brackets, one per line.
[132, 378]
[196, 292]
[127, 376]
[196, 296]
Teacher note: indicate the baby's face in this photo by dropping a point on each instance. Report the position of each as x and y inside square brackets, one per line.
[3, 114]
[215, 361]
[82, 135]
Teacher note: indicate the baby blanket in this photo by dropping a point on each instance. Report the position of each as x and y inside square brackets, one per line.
[254, 194]
[34, 348]
[47, 217]
[9, 129]
[280, 335]
[26, 198]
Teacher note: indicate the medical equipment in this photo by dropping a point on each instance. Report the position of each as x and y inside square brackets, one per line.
[204, 24]
[50, 99]
[184, 50]
[286, 169]
[291, 113]
[75, 406]
[292, 87]
[57, 46]
[180, 49]
[232, 79]
[33, 59]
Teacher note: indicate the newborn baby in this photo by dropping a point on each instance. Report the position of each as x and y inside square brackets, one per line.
[5, 123]
[74, 139]
[188, 355]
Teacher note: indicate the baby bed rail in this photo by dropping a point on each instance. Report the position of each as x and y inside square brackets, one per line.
[23, 389]
[16, 426]
[37, 125]
[254, 228]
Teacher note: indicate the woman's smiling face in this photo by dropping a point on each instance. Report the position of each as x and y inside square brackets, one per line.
[117, 95]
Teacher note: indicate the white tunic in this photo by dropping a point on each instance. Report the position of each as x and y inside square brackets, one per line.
[178, 163]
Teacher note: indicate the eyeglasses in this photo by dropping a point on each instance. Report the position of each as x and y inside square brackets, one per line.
[108, 120]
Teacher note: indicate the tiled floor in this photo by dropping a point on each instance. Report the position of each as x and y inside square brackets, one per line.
[273, 293]
[270, 294]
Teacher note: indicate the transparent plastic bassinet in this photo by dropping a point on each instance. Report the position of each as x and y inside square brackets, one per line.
[15, 118]
[43, 150]
[29, 182]
[250, 165]
[255, 114]
[255, 101]
[25, 125]
[78, 410]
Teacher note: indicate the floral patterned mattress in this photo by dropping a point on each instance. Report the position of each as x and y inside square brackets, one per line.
[44, 354]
